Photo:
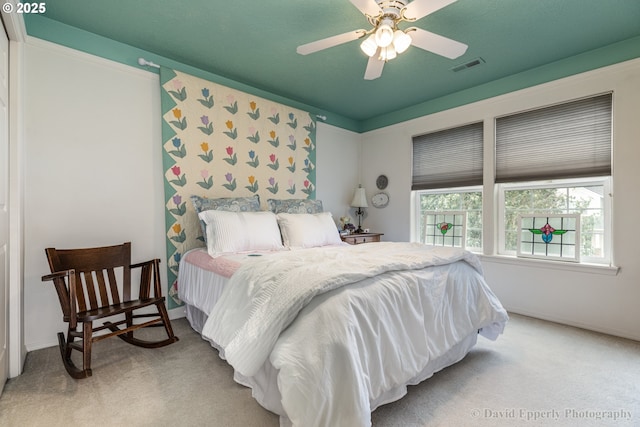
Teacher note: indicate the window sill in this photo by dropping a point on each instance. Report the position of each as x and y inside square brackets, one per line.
[606, 270]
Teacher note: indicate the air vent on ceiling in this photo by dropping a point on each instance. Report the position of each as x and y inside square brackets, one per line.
[472, 63]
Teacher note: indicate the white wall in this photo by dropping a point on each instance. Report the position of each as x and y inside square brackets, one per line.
[580, 297]
[93, 168]
[386, 152]
[337, 174]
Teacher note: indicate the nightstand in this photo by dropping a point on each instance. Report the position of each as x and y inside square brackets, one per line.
[358, 238]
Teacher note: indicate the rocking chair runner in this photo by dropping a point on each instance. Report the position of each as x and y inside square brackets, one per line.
[85, 280]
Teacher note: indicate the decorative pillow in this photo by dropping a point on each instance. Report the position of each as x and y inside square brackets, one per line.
[231, 204]
[295, 206]
[308, 230]
[240, 231]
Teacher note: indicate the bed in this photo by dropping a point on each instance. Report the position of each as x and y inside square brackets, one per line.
[324, 332]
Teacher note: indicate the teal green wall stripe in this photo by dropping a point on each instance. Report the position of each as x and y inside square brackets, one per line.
[65, 35]
[609, 55]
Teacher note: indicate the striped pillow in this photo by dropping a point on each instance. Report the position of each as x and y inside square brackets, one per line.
[240, 231]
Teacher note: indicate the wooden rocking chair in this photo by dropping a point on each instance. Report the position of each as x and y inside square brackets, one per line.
[85, 280]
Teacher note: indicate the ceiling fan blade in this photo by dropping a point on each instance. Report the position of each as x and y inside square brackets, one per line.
[374, 67]
[368, 7]
[437, 44]
[420, 8]
[332, 41]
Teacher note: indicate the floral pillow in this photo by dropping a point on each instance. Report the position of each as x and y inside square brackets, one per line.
[229, 204]
[299, 206]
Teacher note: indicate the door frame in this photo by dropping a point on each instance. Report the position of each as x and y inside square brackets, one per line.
[15, 28]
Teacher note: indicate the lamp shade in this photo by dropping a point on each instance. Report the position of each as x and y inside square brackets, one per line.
[387, 53]
[401, 41]
[369, 46]
[384, 33]
[359, 199]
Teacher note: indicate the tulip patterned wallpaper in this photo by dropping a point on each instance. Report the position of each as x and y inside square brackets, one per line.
[220, 142]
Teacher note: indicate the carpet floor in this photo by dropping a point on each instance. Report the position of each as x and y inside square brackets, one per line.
[537, 374]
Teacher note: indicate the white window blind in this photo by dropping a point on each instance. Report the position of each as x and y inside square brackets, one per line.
[570, 140]
[448, 158]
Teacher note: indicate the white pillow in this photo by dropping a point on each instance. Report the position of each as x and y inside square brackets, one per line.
[240, 231]
[308, 230]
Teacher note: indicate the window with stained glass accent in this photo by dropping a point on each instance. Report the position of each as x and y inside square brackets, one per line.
[588, 198]
[446, 228]
[468, 200]
[549, 237]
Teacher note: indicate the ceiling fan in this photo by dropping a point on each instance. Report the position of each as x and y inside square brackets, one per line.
[386, 40]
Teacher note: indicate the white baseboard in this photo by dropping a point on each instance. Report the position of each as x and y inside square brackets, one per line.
[175, 313]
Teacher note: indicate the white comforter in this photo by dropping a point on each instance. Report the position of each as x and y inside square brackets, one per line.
[407, 305]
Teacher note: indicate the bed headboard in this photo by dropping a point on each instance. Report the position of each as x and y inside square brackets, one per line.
[219, 142]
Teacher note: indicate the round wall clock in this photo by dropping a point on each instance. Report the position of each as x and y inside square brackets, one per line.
[380, 200]
[382, 182]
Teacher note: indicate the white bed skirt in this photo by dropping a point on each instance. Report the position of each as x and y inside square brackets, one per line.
[264, 385]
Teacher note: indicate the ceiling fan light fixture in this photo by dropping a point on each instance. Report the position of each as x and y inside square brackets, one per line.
[384, 39]
[369, 46]
[384, 33]
[401, 41]
[387, 53]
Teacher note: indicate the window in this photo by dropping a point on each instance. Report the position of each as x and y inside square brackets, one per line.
[434, 207]
[541, 157]
[447, 182]
[586, 197]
